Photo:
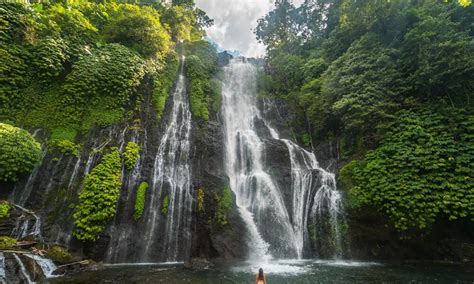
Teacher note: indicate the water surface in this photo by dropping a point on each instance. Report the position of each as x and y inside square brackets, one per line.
[283, 271]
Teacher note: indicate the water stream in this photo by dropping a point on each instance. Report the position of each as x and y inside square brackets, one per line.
[274, 229]
[167, 235]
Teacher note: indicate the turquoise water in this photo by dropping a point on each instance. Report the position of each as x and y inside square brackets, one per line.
[289, 271]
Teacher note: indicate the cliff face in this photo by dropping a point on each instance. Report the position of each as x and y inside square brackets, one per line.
[52, 189]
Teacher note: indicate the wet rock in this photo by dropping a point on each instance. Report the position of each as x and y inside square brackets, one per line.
[198, 264]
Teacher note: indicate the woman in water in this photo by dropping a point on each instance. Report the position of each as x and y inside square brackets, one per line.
[261, 277]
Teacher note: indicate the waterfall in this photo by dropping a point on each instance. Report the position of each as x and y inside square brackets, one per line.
[259, 201]
[23, 271]
[24, 228]
[273, 229]
[3, 274]
[47, 265]
[171, 178]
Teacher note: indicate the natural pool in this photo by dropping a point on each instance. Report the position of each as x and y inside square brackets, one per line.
[282, 271]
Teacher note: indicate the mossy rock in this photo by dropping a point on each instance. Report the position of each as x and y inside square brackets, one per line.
[7, 242]
[5, 209]
[59, 254]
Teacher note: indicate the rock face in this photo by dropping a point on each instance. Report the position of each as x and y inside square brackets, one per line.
[52, 189]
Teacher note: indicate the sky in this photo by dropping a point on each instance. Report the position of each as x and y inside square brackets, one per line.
[234, 22]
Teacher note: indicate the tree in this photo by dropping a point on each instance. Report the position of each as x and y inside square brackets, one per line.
[279, 26]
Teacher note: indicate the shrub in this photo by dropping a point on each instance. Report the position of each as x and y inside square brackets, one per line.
[65, 147]
[5, 209]
[150, 39]
[131, 155]
[422, 171]
[140, 200]
[98, 199]
[100, 85]
[224, 204]
[19, 152]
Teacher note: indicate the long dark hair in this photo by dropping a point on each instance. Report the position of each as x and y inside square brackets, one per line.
[260, 274]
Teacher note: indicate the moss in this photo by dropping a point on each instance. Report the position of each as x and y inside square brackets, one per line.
[131, 155]
[200, 67]
[165, 204]
[224, 204]
[5, 209]
[98, 199]
[162, 83]
[7, 242]
[59, 254]
[63, 134]
[65, 147]
[140, 200]
[200, 199]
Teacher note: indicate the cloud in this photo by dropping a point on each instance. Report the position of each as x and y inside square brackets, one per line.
[234, 22]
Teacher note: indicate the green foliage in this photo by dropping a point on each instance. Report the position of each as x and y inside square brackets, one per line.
[181, 23]
[421, 171]
[98, 199]
[63, 134]
[140, 200]
[165, 205]
[199, 68]
[77, 64]
[100, 85]
[438, 59]
[356, 91]
[49, 57]
[19, 152]
[7, 242]
[131, 155]
[65, 147]
[381, 75]
[224, 204]
[59, 255]
[5, 209]
[162, 84]
[13, 72]
[140, 29]
[67, 22]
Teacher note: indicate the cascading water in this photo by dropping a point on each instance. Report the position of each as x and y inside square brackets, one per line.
[3, 274]
[273, 229]
[259, 200]
[26, 277]
[46, 265]
[171, 181]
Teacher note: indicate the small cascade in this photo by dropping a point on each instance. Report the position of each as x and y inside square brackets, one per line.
[275, 229]
[167, 235]
[47, 265]
[3, 274]
[24, 274]
[28, 224]
[26, 191]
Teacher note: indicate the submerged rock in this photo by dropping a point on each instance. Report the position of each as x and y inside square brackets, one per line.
[198, 264]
